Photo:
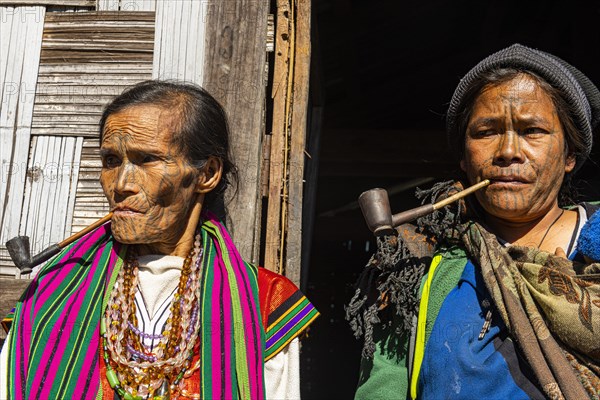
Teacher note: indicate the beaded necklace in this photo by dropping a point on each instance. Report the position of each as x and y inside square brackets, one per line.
[134, 371]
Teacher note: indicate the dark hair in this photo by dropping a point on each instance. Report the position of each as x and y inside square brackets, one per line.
[574, 145]
[201, 128]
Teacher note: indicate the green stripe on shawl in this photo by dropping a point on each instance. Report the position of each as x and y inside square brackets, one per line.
[58, 299]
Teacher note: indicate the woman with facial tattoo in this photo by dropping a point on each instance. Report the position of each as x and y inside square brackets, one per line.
[158, 304]
[491, 298]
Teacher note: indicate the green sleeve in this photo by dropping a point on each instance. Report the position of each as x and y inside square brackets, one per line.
[386, 375]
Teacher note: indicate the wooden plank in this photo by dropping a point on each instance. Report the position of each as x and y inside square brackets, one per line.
[279, 133]
[73, 185]
[16, 113]
[7, 18]
[36, 233]
[108, 5]
[8, 111]
[234, 73]
[85, 63]
[126, 5]
[180, 41]
[193, 66]
[72, 3]
[9, 295]
[185, 26]
[65, 166]
[298, 140]
[100, 16]
[87, 68]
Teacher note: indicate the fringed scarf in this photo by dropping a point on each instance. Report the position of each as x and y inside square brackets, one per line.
[393, 275]
[551, 312]
[54, 342]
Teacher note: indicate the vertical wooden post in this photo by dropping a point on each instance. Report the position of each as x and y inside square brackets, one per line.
[283, 247]
[235, 54]
[298, 140]
[280, 94]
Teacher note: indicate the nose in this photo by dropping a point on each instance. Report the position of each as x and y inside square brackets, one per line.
[126, 180]
[509, 149]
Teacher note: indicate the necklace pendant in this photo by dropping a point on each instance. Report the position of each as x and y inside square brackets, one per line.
[163, 392]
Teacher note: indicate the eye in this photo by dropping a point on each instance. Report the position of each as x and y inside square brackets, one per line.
[148, 158]
[110, 161]
[481, 133]
[534, 131]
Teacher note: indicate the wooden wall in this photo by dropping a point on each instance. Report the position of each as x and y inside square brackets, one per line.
[84, 62]
[21, 33]
[88, 57]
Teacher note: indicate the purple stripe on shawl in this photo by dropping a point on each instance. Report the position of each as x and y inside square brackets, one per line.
[252, 328]
[289, 325]
[74, 305]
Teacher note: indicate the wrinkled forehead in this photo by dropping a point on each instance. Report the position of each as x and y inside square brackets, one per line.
[139, 123]
[521, 94]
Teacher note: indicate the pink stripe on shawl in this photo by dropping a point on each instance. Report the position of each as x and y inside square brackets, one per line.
[91, 363]
[215, 332]
[49, 285]
[241, 273]
[74, 304]
[50, 281]
[217, 365]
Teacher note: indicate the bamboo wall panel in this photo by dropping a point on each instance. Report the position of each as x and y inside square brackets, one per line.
[21, 33]
[68, 3]
[50, 190]
[127, 5]
[180, 40]
[85, 63]
[90, 203]
[86, 60]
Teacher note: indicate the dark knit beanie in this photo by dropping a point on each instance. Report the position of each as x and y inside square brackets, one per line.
[578, 90]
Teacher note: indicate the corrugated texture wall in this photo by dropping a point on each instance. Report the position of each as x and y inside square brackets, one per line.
[86, 59]
[21, 33]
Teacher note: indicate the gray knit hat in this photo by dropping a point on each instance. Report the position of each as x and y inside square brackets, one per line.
[578, 90]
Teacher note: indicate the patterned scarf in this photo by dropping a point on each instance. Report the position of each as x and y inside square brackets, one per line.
[552, 313]
[53, 348]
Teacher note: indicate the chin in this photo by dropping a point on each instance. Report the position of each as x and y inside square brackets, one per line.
[128, 236]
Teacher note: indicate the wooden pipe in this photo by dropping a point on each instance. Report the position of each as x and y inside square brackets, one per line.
[375, 206]
[18, 247]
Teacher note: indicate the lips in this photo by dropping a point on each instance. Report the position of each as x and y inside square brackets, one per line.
[126, 210]
[508, 180]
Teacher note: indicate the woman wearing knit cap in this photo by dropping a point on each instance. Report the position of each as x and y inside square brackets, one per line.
[490, 298]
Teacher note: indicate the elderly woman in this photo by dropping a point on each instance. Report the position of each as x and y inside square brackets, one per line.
[158, 303]
[479, 300]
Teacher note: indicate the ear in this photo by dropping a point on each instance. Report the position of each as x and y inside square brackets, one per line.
[570, 163]
[210, 176]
